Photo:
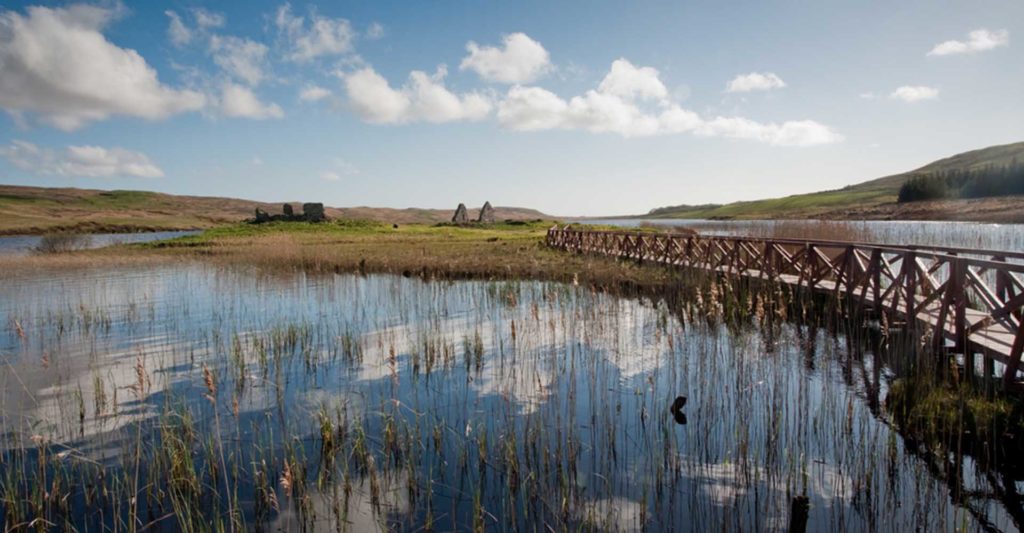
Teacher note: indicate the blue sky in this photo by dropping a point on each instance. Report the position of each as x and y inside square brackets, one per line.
[576, 108]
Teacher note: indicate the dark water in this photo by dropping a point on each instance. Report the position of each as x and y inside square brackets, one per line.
[383, 403]
[26, 244]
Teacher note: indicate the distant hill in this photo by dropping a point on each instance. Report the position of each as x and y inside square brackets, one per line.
[852, 201]
[27, 210]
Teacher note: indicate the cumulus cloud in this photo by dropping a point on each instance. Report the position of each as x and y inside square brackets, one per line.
[56, 62]
[179, 34]
[243, 58]
[322, 36]
[631, 82]
[519, 60]
[914, 93]
[755, 81]
[238, 101]
[978, 40]
[622, 104]
[532, 108]
[313, 93]
[80, 161]
[422, 98]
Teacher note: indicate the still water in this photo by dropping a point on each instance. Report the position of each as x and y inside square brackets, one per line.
[178, 396]
[1005, 237]
[26, 244]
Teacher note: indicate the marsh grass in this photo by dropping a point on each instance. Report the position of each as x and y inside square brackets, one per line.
[57, 243]
[260, 389]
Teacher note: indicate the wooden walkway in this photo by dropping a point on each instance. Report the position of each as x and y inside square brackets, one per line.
[972, 300]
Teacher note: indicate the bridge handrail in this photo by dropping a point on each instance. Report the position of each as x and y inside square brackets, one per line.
[974, 298]
[947, 252]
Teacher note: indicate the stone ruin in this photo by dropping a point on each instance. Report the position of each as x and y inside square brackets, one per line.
[460, 217]
[311, 212]
[486, 215]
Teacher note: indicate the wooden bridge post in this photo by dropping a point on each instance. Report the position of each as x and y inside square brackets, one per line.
[1014, 360]
[989, 326]
[958, 277]
[910, 283]
[876, 279]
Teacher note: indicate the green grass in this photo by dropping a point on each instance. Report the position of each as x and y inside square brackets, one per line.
[359, 229]
[870, 193]
[808, 204]
[123, 199]
[504, 250]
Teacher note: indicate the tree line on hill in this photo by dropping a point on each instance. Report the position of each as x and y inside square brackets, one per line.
[979, 182]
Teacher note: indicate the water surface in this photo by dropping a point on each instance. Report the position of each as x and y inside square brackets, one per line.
[387, 403]
[1008, 237]
[26, 244]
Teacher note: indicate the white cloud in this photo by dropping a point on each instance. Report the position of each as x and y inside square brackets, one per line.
[631, 82]
[240, 102]
[914, 93]
[532, 108]
[323, 36]
[243, 58]
[520, 60]
[330, 175]
[422, 98]
[755, 81]
[179, 34]
[206, 19]
[868, 95]
[313, 93]
[977, 41]
[82, 161]
[616, 106]
[790, 133]
[56, 62]
[375, 31]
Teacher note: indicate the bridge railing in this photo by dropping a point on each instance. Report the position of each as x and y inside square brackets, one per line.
[973, 300]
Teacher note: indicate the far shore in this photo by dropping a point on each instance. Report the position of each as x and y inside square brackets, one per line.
[1004, 210]
[1000, 210]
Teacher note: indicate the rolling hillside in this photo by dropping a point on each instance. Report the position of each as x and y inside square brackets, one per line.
[27, 210]
[854, 201]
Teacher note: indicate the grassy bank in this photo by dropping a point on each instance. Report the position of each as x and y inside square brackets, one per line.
[504, 250]
[36, 210]
[494, 251]
[876, 199]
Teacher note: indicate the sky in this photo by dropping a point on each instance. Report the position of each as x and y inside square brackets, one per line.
[574, 108]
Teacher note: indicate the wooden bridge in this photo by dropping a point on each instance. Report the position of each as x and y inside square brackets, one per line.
[972, 300]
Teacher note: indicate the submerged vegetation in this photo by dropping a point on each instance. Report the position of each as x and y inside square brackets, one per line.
[265, 378]
[55, 243]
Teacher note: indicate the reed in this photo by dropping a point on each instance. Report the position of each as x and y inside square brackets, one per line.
[384, 402]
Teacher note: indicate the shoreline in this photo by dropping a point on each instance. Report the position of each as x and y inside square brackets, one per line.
[1001, 210]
